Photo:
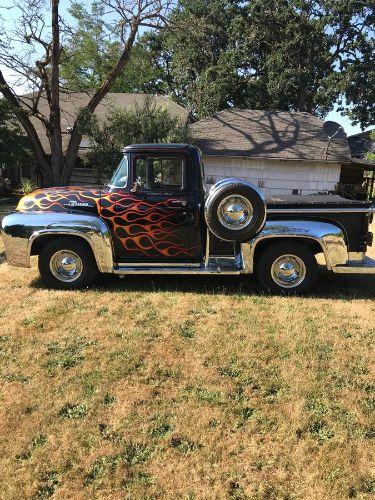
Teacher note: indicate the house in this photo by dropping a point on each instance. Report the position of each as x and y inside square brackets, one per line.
[361, 172]
[358, 143]
[70, 104]
[282, 153]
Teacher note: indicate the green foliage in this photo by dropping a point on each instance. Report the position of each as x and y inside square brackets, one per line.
[371, 156]
[27, 186]
[294, 55]
[184, 444]
[49, 485]
[14, 146]
[90, 54]
[147, 123]
[73, 411]
[297, 55]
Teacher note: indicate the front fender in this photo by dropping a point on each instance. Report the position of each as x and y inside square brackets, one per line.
[330, 238]
[21, 229]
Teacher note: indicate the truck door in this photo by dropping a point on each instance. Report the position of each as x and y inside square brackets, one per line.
[155, 225]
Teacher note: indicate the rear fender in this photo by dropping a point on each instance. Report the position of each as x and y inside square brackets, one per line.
[330, 238]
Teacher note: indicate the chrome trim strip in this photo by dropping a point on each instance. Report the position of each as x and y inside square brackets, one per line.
[161, 271]
[330, 238]
[301, 210]
[157, 264]
[217, 265]
[21, 229]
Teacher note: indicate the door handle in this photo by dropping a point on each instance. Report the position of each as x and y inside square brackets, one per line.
[178, 203]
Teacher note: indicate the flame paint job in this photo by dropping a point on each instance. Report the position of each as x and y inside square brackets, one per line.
[138, 227]
[148, 228]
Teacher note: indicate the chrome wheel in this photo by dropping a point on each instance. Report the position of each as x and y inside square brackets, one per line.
[235, 212]
[66, 265]
[288, 271]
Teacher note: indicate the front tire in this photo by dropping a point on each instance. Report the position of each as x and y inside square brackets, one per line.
[67, 264]
[287, 268]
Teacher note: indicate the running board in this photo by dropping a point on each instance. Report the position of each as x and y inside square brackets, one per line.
[219, 265]
[366, 266]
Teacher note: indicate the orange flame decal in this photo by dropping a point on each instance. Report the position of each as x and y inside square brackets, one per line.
[140, 227]
[147, 228]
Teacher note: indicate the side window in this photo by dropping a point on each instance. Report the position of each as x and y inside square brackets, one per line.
[159, 174]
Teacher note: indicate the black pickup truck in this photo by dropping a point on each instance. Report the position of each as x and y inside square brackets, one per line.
[156, 217]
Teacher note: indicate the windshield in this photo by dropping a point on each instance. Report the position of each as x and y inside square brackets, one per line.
[120, 177]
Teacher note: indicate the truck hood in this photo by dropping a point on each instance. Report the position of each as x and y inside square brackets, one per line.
[62, 199]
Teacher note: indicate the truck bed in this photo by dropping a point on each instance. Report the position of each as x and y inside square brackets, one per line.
[315, 201]
[355, 225]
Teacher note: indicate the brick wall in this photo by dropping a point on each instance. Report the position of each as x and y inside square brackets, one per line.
[275, 177]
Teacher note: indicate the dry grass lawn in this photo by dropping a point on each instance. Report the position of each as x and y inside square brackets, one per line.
[186, 388]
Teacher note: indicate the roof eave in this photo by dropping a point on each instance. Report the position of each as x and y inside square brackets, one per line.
[277, 158]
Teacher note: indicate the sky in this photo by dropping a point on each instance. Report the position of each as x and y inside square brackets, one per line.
[344, 121]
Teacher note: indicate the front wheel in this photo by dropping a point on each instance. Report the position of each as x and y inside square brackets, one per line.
[67, 264]
[287, 268]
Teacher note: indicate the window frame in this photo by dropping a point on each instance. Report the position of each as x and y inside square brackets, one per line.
[160, 156]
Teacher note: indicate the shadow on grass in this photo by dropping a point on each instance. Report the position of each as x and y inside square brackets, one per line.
[330, 285]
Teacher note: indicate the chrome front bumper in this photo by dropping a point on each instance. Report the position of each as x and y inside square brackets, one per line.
[21, 229]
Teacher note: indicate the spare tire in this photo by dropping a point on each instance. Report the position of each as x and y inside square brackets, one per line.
[235, 210]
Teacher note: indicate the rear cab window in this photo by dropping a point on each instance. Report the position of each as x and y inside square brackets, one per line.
[159, 173]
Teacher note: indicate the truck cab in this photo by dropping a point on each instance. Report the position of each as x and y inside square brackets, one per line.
[155, 216]
[154, 205]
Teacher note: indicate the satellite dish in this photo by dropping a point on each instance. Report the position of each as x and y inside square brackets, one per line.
[369, 146]
[334, 130]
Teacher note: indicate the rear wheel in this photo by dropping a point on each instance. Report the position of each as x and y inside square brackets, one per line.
[287, 268]
[67, 263]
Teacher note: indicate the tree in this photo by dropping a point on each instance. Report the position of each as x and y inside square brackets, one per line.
[297, 55]
[196, 56]
[148, 123]
[36, 52]
[89, 55]
[14, 146]
[370, 155]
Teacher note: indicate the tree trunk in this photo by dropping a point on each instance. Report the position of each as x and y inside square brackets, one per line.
[76, 136]
[57, 159]
[71, 154]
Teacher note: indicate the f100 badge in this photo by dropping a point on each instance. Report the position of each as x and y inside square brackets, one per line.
[74, 203]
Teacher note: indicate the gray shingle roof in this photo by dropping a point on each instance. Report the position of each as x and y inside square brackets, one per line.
[72, 102]
[357, 143]
[267, 134]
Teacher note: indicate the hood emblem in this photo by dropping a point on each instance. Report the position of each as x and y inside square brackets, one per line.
[73, 203]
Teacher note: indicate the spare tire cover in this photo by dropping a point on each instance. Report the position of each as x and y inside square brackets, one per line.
[235, 210]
